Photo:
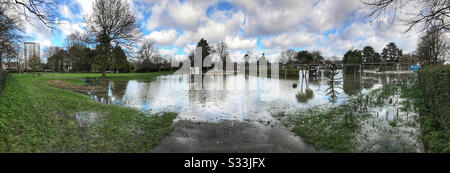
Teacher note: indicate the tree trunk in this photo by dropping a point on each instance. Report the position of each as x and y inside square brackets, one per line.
[103, 73]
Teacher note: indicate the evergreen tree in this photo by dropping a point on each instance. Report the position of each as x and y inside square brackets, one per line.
[391, 53]
[369, 55]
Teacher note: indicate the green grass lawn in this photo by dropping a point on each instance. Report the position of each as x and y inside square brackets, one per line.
[35, 117]
[80, 78]
[109, 76]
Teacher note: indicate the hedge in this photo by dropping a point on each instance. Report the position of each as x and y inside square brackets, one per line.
[289, 72]
[435, 86]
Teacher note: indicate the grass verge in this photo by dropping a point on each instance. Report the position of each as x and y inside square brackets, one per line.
[35, 117]
[78, 78]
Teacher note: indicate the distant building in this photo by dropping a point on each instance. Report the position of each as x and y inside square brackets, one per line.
[31, 50]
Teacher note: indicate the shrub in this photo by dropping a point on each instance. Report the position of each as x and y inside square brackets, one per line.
[292, 72]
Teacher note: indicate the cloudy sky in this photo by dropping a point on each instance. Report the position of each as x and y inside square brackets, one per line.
[259, 26]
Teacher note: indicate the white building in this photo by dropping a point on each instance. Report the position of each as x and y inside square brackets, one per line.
[31, 49]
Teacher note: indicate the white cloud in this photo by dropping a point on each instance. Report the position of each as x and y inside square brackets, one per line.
[168, 52]
[356, 30]
[328, 14]
[164, 37]
[289, 40]
[237, 56]
[212, 31]
[273, 17]
[185, 15]
[173, 13]
[238, 43]
[45, 43]
[189, 48]
[86, 6]
[66, 28]
[278, 24]
[156, 12]
[65, 12]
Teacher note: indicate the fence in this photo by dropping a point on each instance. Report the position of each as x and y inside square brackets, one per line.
[377, 68]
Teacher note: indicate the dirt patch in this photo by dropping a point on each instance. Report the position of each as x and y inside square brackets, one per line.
[73, 87]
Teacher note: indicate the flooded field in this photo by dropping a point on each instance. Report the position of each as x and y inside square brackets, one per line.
[241, 113]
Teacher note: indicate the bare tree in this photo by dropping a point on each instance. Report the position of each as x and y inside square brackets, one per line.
[54, 58]
[158, 60]
[9, 36]
[149, 57]
[221, 50]
[12, 12]
[34, 11]
[147, 51]
[35, 63]
[112, 21]
[50, 51]
[288, 56]
[432, 13]
[76, 38]
[432, 47]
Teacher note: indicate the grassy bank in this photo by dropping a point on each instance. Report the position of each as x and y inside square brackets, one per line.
[80, 78]
[35, 117]
[350, 126]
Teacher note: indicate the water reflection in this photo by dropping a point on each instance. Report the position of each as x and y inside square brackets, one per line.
[246, 98]
[304, 95]
[235, 97]
[333, 83]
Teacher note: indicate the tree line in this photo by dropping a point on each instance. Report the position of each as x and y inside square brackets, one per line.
[291, 56]
[432, 48]
[112, 33]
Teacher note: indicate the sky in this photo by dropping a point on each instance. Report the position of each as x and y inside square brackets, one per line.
[258, 26]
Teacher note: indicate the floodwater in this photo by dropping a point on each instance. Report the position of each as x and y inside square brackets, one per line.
[233, 113]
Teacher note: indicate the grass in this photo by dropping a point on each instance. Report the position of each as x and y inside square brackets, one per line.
[434, 137]
[35, 117]
[327, 128]
[2, 80]
[81, 78]
[336, 128]
[109, 76]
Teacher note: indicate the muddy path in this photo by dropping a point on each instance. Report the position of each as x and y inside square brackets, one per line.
[230, 137]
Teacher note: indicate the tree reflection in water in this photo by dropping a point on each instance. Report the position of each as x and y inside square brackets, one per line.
[304, 95]
[333, 83]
